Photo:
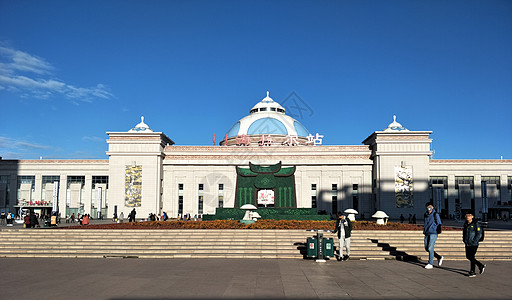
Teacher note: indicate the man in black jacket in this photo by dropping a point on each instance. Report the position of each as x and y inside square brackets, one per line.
[33, 220]
[471, 238]
[344, 230]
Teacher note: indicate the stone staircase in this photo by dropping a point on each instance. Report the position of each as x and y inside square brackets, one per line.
[204, 243]
[409, 245]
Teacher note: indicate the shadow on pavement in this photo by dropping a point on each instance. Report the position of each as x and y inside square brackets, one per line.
[399, 255]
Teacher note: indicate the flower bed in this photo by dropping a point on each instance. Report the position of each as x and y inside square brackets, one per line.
[261, 224]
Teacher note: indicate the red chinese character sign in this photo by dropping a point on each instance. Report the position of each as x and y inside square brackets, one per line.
[291, 140]
[242, 140]
[266, 140]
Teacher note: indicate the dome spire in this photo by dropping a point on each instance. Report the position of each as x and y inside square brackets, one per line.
[267, 99]
[141, 127]
[395, 126]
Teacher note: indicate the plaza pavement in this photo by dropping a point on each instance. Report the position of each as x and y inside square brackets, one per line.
[137, 279]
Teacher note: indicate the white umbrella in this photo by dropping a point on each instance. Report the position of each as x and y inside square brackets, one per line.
[248, 206]
[380, 215]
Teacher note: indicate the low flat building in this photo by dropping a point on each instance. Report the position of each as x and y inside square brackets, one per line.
[267, 159]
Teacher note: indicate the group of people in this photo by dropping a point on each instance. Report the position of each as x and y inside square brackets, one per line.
[471, 236]
[133, 213]
[84, 219]
[412, 218]
[6, 218]
[31, 220]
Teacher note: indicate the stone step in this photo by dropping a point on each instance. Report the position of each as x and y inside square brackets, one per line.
[233, 243]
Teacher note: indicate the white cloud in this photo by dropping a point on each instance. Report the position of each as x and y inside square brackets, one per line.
[22, 61]
[29, 76]
[15, 148]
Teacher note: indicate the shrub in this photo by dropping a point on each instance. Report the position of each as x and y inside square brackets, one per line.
[261, 224]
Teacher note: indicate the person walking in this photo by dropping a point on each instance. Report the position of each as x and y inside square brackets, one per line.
[26, 220]
[9, 217]
[3, 218]
[33, 220]
[471, 237]
[132, 216]
[85, 219]
[344, 230]
[432, 220]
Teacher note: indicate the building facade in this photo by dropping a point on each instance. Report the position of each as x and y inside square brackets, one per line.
[391, 171]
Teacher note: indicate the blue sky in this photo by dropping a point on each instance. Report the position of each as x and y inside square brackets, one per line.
[72, 70]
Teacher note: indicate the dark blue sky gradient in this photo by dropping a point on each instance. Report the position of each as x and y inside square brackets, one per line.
[194, 68]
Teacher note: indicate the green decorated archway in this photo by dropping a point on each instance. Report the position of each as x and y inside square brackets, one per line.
[265, 186]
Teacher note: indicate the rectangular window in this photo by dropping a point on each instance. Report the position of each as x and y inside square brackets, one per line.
[438, 190]
[26, 189]
[465, 193]
[509, 190]
[201, 186]
[439, 180]
[47, 195]
[200, 205]
[334, 198]
[492, 180]
[464, 180]
[221, 201]
[26, 180]
[4, 181]
[180, 186]
[99, 180]
[313, 196]
[180, 205]
[221, 187]
[76, 179]
[493, 189]
[50, 179]
[355, 196]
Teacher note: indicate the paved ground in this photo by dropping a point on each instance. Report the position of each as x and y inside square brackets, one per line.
[137, 279]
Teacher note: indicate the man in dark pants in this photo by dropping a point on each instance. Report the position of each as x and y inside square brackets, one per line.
[471, 238]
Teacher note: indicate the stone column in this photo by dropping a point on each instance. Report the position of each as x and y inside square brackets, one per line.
[62, 195]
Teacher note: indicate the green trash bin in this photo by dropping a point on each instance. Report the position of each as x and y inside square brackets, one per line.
[328, 244]
[312, 247]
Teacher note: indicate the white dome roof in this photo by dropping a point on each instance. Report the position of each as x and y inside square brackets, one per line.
[268, 117]
[267, 103]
